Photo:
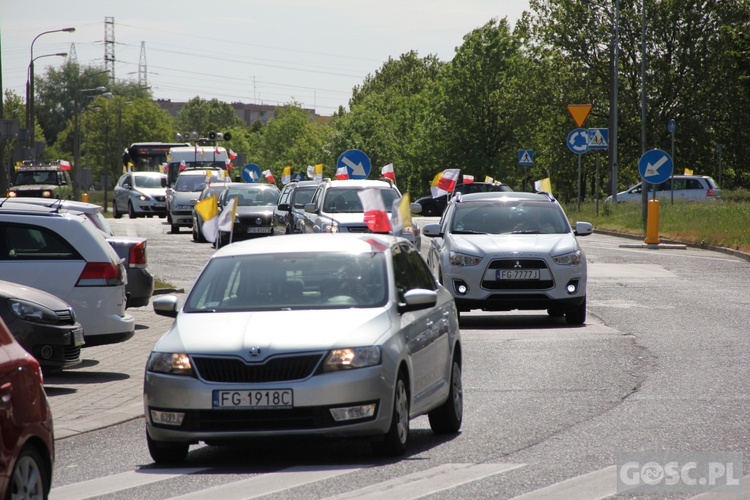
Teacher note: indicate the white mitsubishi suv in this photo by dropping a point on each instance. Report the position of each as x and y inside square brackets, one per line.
[64, 254]
[510, 250]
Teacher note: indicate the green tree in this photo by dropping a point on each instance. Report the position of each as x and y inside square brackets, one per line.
[204, 116]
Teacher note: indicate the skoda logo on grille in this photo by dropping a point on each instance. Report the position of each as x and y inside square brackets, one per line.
[254, 352]
[258, 221]
[518, 265]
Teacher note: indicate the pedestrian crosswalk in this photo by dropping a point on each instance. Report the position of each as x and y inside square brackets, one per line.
[593, 485]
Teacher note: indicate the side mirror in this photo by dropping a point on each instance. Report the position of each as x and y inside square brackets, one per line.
[431, 230]
[164, 182]
[310, 208]
[127, 186]
[416, 208]
[283, 207]
[165, 306]
[583, 229]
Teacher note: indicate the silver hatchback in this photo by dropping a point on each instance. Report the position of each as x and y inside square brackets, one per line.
[323, 335]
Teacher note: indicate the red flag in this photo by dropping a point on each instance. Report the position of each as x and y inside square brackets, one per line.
[183, 166]
[376, 217]
[64, 165]
[217, 151]
[388, 172]
[342, 173]
[269, 176]
[468, 179]
[232, 155]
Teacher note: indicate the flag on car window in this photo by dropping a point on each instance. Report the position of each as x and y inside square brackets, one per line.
[286, 175]
[209, 212]
[269, 176]
[445, 182]
[388, 172]
[488, 179]
[232, 154]
[310, 172]
[376, 216]
[342, 173]
[226, 218]
[468, 179]
[401, 213]
[688, 171]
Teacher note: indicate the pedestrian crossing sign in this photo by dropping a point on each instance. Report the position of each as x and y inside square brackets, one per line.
[598, 138]
[526, 157]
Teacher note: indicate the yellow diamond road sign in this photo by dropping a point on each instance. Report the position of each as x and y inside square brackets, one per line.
[579, 112]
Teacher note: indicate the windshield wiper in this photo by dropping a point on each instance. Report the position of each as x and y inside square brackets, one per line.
[468, 231]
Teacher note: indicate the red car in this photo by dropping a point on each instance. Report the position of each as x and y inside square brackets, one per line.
[27, 449]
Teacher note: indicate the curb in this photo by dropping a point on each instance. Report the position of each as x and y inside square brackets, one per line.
[702, 246]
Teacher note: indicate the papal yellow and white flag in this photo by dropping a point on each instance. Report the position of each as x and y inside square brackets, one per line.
[226, 218]
[688, 171]
[401, 214]
[544, 185]
[209, 212]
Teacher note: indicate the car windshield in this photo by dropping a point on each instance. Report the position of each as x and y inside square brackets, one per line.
[186, 183]
[254, 197]
[290, 281]
[499, 218]
[148, 181]
[38, 177]
[346, 200]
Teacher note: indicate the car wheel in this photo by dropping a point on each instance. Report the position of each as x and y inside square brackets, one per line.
[30, 477]
[195, 234]
[131, 211]
[164, 452]
[577, 315]
[175, 228]
[447, 418]
[395, 441]
[115, 213]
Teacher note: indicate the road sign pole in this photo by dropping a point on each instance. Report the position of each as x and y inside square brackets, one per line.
[579, 182]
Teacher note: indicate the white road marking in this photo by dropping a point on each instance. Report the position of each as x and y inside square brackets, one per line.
[592, 486]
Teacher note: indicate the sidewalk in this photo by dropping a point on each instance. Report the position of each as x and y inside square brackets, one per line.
[107, 387]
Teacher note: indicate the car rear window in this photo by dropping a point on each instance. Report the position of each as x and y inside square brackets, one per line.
[28, 242]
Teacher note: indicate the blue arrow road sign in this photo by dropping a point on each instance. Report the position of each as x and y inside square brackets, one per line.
[578, 140]
[525, 157]
[299, 177]
[251, 173]
[655, 166]
[598, 138]
[356, 162]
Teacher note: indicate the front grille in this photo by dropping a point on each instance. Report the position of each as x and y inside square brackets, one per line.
[72, 353]
[518, 284]
[160, 198]
[277, 369]
[66, 316]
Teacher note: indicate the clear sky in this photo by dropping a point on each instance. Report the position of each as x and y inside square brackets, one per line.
[269, 52]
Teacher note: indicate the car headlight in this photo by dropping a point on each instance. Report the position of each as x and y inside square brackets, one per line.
[46, 194]
[569, 259]
[462, 260]
[143, 197]
[12, 194]
[31, 311]
[173, 363]
[352, 357]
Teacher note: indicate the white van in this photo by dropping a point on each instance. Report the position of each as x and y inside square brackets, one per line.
[196, 157]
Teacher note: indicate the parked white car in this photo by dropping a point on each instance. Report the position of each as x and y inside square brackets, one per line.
[686, 188]
[64, 254]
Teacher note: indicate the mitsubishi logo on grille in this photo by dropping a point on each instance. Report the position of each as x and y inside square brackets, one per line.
[254, 352]
[518, 265]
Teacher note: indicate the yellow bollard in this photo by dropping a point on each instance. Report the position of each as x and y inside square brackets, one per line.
[85, 197]
[652, 223]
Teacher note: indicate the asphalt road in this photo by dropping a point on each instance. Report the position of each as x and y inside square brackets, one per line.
[661, 365]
